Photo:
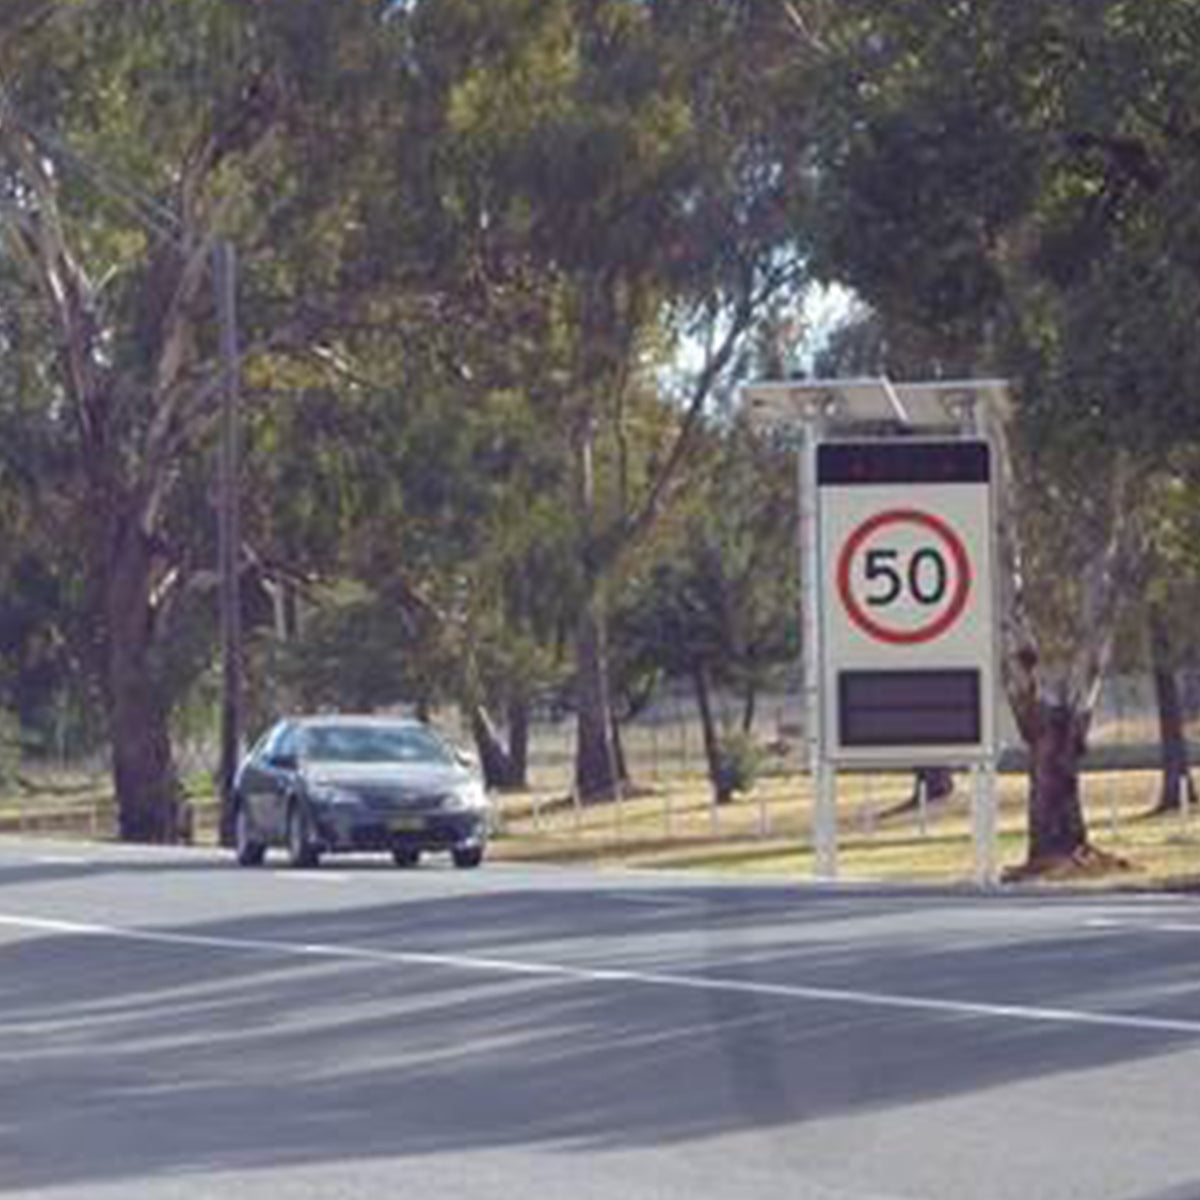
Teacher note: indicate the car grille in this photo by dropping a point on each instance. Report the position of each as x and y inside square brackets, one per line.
[397, 801]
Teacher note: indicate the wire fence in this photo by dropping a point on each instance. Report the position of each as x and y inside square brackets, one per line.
[670, 801]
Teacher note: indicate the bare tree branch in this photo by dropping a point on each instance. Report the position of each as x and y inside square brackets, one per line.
[717, 360]
[803, 28]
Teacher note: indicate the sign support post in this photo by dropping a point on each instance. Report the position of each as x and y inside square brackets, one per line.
[822, 774]
[825, 830]
[984, 824]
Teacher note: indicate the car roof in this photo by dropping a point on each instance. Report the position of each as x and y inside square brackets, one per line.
[367, 720]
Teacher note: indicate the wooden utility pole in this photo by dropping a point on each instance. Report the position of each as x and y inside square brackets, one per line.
[229, 533]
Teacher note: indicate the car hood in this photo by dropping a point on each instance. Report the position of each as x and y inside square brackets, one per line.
[396, 778]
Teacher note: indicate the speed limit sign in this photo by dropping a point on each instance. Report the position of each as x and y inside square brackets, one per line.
[904, 576]
[906, 605]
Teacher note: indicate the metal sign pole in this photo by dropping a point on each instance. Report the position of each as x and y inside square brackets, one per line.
[985, 802]
[984, 824]
[229, 538]
[821, 772]
[825, 831]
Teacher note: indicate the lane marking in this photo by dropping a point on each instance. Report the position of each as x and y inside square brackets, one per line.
[1142, 926]
[60, 860]
[562, 973]
[313, 876]
[676, 902]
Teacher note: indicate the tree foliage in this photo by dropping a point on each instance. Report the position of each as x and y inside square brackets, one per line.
[1015, 182]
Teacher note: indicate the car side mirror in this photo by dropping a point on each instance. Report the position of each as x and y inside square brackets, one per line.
[283, 762]
[465, 758]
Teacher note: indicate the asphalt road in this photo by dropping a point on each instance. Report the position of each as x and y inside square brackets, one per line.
[173, 1027]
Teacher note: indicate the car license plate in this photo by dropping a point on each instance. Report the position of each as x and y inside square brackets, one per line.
[407, 824]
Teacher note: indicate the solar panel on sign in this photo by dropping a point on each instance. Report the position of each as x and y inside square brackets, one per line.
[861, 403]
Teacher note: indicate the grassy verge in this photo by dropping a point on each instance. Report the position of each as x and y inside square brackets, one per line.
[768, 833]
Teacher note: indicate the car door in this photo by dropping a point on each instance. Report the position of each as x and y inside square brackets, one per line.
[279, 769]
[266, 781]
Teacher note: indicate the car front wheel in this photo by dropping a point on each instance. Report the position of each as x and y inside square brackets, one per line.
[250, 852]
[466, 857]
[301, 850]
[404, 856]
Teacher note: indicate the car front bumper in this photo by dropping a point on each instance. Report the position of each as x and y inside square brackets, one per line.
[354, 829]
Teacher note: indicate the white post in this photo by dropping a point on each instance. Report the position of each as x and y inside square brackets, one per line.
[809, 583]
[822, 773]
[985, 825]
[825, 823]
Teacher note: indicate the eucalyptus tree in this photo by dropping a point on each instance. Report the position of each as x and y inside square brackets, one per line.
[618, 161]
[1019, 180]
[132, 137]
[446, 575]
[714, 600]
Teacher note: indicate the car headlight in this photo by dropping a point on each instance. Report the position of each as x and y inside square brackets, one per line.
[467, 797]
[333, 796]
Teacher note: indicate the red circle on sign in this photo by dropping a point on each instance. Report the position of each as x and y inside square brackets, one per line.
[923, 633]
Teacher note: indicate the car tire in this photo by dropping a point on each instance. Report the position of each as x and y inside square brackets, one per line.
[404, 856]
[249, 851]
[302, 852]
[467, 857]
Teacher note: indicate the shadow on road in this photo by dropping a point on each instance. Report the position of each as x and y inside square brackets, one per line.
[122, 1060]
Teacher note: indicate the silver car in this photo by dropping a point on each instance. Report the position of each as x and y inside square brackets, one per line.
[328, 784]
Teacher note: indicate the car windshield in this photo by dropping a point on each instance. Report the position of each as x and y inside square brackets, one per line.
[374, 744]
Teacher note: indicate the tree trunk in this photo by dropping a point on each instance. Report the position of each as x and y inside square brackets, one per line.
[1176, 775]
[713, 756]
[518, 742]
[148, 794]
[618, 746]
[597, 771]
[938, 782]
[494, 760]
[1056, 824]
[750, 707]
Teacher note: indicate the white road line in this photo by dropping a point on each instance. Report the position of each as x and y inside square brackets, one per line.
[553, 971]
[1142, 926]
[60, 860]
[313, 876]
[675, 902]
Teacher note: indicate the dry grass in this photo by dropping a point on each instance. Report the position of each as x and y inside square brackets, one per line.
[770, 831]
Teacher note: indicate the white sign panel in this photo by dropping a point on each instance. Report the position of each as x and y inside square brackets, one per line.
[908, 617]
